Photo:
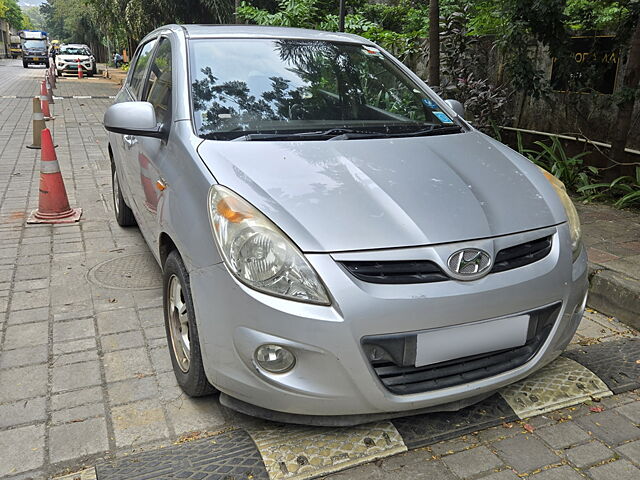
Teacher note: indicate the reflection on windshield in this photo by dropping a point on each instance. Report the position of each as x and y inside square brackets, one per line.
[73, 51]
[263, 86]
[35, 44]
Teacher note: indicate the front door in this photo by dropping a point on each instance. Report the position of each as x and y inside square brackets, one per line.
[152, 153]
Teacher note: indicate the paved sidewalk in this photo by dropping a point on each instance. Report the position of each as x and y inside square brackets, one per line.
[612, 238]
[84, 368]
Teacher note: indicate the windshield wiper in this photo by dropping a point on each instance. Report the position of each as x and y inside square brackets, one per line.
[348, 134]
[425, 132]
[314, 135]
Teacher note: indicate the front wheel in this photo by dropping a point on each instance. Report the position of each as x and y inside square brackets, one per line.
[181, 328]
[124, 215]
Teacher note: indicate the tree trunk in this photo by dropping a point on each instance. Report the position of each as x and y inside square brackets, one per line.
[625, 109]
[434, 43]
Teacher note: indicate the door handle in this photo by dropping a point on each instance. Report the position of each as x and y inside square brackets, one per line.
[130, 140]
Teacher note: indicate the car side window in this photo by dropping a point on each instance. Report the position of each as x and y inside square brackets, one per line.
[141, 67]
[158, 88]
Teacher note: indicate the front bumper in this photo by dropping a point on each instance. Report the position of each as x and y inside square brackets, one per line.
[333, 376]
[68, 67]
[36, 59]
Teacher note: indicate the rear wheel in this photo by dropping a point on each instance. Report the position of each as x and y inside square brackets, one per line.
[124, 215]
[181, 328]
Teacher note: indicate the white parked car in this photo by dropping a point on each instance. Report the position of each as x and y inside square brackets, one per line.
[67, 60]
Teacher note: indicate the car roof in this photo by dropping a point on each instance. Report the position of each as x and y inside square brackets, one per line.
[256, 31]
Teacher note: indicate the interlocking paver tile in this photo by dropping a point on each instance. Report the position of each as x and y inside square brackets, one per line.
[76, 375]
[563, 472]
[23, 356]
[25, 382]
[28, 335]
[525, 453]
[139, 422]
[609, 427]
[119, 320]
[562, 435]
[588, 454]
[631, 450]
[618, 470]
[78, 439]
[123, 364]
[21, 449]
[24, 411]
[472, 462]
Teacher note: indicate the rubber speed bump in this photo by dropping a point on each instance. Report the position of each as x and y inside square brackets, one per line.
[225, 456]
[617, 363]
[298, 452]
[421, 430]
[560, 384]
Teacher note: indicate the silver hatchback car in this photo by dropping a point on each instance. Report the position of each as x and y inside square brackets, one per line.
[337, 243]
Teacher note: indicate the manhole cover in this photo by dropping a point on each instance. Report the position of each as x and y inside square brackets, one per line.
[131, 272]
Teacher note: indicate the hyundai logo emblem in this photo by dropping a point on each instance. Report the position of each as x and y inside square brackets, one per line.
[469, 263]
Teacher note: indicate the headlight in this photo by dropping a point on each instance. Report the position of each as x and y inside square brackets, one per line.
[572, 214]
[258, 253]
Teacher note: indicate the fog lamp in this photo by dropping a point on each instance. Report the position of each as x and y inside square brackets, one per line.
[274, 358]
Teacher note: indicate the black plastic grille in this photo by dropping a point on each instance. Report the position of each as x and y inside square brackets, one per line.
[425, 271]
[521, 255]
[397, 372]
[422, 271]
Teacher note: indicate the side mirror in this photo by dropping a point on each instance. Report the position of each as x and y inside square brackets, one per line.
[133, 118]
[457, 107]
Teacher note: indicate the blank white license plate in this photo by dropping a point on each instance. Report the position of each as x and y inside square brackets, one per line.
[442, 344]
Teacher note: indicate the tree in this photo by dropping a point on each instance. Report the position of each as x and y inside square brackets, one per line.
[13, 14]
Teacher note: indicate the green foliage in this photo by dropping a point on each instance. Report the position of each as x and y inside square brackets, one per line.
[484, 102]
[582, 179]
[35, 17]
[10, 11]
[595, 15]
[624, 190]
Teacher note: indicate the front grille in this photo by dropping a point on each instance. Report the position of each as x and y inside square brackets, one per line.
[521, 255]
[397, 372]
[422, 271]
[425, 271]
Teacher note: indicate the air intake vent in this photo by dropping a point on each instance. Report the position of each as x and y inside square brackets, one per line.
[422, 271]
[521, 255]
[398, 374]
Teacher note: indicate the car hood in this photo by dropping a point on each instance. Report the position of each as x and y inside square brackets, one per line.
[331, 196]
[72, 58]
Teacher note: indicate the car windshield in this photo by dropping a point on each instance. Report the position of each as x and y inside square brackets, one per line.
[35, 44]
[265, 86]
[73, 51]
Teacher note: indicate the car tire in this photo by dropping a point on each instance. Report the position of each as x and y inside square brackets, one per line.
[181, 328]
[124, 215]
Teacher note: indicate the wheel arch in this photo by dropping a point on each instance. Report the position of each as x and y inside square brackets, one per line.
[165, 246]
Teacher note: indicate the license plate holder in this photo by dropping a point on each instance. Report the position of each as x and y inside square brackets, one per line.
[458, 341]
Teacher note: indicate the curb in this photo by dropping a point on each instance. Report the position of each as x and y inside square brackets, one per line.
[614, 294]
[272, 451]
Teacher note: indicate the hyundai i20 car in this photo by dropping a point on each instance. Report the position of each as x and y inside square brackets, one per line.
[337, 243]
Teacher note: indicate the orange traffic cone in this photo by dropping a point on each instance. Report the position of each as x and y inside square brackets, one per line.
[79, 69]
[47, 81]
[53, 205]
[44, 102]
